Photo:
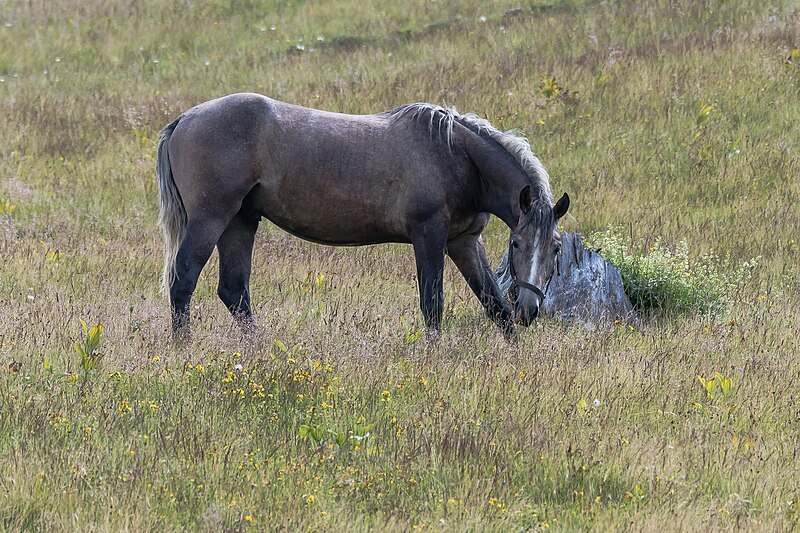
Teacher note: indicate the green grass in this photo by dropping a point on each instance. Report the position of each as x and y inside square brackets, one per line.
[676, 120]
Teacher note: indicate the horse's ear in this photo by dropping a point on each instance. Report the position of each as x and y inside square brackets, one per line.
[525, 199]
[560, 209]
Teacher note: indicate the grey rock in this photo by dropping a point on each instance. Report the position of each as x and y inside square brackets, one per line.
[587, 289]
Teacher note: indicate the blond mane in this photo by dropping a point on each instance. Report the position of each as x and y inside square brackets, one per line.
[441, 120]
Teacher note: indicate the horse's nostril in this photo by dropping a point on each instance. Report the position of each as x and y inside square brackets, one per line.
[525, 315]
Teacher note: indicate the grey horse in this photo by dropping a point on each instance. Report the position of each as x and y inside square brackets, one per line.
[419, 174]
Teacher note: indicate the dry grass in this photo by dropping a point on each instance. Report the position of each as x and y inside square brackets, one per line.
[567, 428]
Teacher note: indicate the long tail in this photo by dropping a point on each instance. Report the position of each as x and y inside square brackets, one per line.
[172, 217]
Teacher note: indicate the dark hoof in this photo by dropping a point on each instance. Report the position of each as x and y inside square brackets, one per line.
[181, 336]
[432, 334]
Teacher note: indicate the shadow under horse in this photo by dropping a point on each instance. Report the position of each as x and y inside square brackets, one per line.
[419, 174]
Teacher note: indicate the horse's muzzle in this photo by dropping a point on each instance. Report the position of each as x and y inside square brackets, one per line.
[526, 308]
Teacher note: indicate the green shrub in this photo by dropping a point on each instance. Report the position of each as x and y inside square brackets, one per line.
[667, 279]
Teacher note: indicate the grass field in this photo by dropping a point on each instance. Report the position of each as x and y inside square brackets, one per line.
[667, 121]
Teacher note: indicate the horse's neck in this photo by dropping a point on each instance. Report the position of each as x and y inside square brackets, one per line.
[502, 177]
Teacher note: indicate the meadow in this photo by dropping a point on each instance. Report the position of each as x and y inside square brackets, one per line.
[674, 125]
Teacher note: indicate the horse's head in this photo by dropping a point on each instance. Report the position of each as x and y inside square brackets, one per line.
[533, 252]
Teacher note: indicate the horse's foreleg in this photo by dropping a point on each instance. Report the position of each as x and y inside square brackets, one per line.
[235, 248]
[429, 254]
[469, 255]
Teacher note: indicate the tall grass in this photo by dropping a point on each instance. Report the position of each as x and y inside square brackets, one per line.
[675, 119]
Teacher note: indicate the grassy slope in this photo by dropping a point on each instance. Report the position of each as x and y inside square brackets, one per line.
[470, 433]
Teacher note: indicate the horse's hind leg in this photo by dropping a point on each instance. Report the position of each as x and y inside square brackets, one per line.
[469, 255]
[201, 237]
[235, 248]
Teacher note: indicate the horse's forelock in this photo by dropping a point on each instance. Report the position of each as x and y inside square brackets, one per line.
[540, 214]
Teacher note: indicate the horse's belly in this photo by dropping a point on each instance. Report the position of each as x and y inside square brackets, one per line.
[327, 220]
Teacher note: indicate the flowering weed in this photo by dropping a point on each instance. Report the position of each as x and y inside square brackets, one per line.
[669, 280]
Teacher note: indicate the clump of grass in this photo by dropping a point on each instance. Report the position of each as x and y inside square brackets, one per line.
[88, 348]
[668, 279]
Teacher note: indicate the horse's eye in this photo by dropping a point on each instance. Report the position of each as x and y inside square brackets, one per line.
[514, 244]
[558, 250]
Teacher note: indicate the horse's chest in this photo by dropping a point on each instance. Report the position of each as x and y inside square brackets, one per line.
[467, 224]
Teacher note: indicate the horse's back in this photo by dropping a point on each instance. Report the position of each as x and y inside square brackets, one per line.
[253, 125]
